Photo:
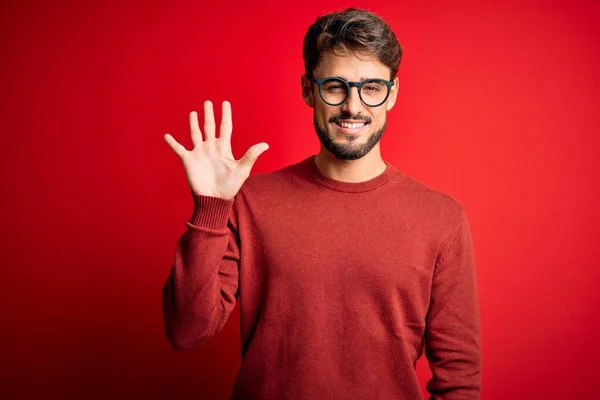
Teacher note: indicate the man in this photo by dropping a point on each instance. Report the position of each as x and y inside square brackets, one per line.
[345, 267]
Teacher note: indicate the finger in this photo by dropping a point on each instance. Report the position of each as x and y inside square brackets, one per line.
[173, 144]
[195, 129]
[247, 162]
[209, 120]
[226, 123]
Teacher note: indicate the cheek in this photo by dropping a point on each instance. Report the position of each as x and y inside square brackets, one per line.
[323, 115]
[379, 118]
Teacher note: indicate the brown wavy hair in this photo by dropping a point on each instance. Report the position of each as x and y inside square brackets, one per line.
[354, 30]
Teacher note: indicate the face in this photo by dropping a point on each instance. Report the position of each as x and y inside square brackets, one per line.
[351, 130]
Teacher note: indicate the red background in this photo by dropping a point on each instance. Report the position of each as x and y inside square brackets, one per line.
[497, 106]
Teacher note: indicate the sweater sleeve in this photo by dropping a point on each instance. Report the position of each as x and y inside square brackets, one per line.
[452, 335]
[202, 287]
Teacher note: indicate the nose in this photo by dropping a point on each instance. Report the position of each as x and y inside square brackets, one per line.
[352, 105]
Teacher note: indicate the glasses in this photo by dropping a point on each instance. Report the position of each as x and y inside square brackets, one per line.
[372, 92]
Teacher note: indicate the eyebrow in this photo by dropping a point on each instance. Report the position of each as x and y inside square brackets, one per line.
[361, 79]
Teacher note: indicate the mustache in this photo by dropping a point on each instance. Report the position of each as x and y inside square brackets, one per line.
[337, 118]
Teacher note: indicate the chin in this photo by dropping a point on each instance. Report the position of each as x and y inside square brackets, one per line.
[349, 146]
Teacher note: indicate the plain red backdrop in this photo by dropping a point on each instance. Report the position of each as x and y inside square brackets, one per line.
[498, 106]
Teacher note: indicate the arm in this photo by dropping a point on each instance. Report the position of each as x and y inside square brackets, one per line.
[452, 335]
[202, 287]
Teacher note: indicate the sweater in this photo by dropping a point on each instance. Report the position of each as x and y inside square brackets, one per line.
[341, 286]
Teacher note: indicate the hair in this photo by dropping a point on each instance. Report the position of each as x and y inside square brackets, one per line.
[354, 30]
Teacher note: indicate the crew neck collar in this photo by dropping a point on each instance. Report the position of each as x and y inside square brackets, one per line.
[349, 187]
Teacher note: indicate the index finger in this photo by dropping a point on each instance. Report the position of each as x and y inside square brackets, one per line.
[195, 129]
[226, 123]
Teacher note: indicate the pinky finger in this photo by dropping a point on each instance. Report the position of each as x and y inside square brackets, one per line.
[173, 144]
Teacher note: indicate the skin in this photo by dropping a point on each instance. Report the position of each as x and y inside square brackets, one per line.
[349, 158]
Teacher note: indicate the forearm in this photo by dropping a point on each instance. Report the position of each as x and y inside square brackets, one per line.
[201, 287]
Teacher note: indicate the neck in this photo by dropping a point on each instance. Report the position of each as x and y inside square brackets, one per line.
[361, 170]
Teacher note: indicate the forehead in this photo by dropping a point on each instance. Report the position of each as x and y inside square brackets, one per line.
[350, 66]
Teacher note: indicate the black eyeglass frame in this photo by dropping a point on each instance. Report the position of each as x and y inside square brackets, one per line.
[350, 85]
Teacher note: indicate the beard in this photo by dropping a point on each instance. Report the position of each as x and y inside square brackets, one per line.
[348, 150]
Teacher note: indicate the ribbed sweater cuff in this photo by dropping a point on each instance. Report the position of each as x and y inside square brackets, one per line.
[210, 212]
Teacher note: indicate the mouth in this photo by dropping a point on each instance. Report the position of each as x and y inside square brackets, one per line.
[350, 127]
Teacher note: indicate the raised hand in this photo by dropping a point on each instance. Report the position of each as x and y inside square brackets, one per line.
[210, 167]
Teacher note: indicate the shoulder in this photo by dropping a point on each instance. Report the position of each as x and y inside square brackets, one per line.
[433, 199]
[271, 195]
[273, 182]
[431, 207]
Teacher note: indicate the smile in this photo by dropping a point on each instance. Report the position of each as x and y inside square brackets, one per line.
[350, 127]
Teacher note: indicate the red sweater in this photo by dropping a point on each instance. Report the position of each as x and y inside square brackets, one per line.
[341, 286]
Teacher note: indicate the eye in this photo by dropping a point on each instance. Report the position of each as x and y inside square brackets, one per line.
[372, 88]
[334, 87]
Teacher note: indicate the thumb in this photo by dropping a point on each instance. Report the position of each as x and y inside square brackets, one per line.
[252, 155]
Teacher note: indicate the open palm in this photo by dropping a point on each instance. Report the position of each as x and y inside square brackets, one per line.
[210, 167]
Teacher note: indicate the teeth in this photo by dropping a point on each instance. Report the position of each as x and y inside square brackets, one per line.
[351, 126]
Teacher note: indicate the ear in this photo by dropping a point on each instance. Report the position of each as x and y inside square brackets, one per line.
[307, 91]
[393, 94]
